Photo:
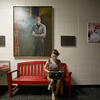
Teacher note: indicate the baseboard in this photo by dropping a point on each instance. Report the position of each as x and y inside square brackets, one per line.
[78, 86]
[86, 86]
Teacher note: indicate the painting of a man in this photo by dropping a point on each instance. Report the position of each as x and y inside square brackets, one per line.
[39, 33]
[33, 31]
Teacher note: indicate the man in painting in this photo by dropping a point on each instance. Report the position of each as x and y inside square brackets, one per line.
[39, 33]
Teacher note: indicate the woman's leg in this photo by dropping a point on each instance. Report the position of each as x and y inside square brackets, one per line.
[58, 84]
[62, 87]
[52, 88]
[50, 82]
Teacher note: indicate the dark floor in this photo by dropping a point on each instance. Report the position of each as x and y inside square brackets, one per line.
[41, 93]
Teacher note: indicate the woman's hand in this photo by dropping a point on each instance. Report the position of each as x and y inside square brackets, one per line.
[48, 71]
[60, 71]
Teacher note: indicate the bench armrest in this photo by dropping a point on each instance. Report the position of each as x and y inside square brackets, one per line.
[10, 74]
[69, 74]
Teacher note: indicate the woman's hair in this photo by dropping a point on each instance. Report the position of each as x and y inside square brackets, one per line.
[55, 51]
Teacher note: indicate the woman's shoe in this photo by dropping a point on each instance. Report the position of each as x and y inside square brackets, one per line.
[49, 87]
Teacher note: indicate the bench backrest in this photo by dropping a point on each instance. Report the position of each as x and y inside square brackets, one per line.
[34, 68]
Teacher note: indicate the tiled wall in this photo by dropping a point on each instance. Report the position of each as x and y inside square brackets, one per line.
[70, 18]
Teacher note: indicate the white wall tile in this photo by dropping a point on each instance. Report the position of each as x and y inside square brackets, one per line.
[70, 18]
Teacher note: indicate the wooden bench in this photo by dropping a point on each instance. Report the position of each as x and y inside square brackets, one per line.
[32, 73]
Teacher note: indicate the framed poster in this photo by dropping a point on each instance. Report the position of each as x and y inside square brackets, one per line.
[94, 32]
[33, 31]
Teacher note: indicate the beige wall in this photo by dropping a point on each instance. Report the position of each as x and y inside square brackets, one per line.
[70, 18]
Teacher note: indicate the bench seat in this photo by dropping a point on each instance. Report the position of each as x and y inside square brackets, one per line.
[30, 80]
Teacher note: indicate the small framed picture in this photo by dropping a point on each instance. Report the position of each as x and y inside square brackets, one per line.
[4, 65]
[94, 32]
[2, 41]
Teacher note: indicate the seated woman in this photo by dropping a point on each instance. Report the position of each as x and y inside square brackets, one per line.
[53, 64]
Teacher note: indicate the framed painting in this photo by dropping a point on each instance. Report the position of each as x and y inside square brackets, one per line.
[94, 32]
[33, 31]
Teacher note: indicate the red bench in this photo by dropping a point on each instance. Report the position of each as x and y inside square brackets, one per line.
[33, 73]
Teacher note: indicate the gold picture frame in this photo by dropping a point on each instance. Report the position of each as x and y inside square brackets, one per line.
[25, 46]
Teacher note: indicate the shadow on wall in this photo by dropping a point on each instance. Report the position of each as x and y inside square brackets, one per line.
[73, 81]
